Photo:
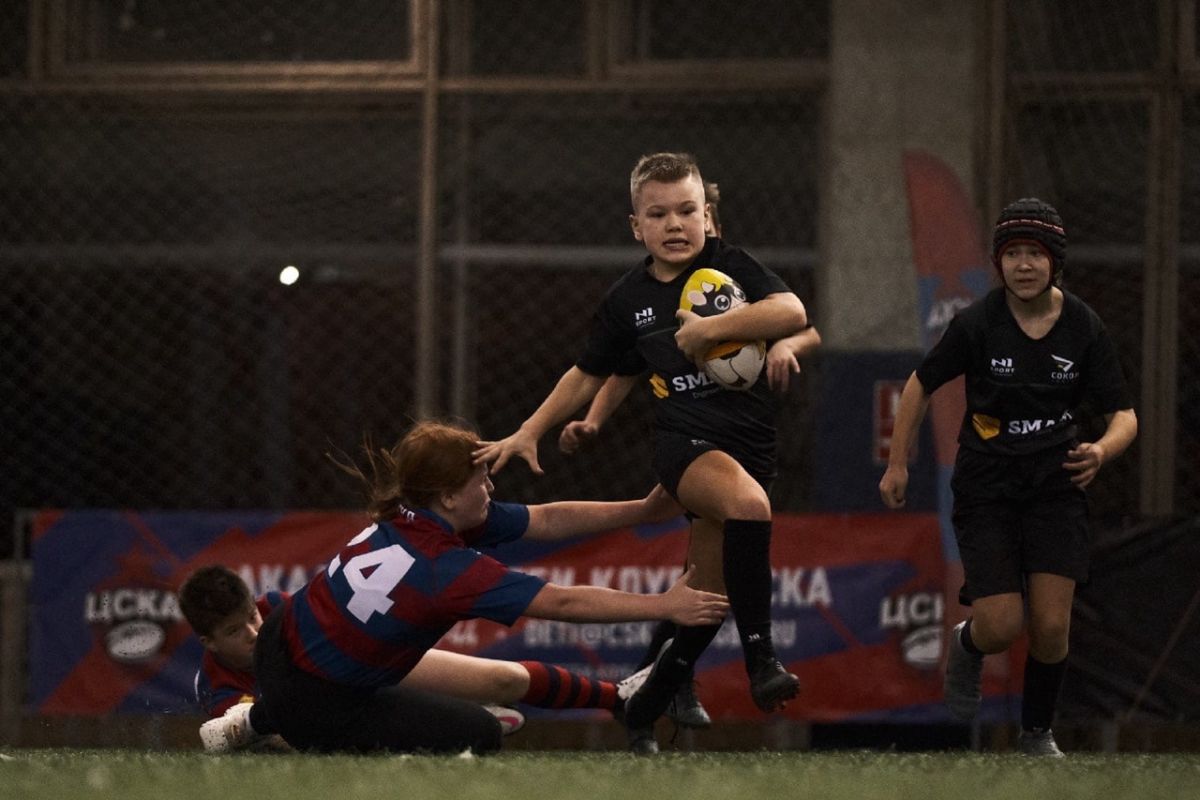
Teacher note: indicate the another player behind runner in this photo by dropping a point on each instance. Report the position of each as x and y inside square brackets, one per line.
[1032, 354]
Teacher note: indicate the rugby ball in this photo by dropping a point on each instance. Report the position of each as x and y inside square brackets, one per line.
[732, 365]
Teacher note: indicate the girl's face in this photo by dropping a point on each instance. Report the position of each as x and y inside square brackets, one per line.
[233, 639]
[669, 219]
[467, 506]
[1026, 269]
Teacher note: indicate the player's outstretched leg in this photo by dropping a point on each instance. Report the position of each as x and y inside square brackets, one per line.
[551, 686]
[964, 675]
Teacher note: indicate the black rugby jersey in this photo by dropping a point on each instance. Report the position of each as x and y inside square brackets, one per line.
[1023, 394]
[633, 330]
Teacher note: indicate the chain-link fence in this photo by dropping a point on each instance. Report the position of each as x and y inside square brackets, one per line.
[162, 163]
[155, 183]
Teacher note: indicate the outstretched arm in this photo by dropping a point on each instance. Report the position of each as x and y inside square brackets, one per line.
[914, 403]
[614, 391]
[783, 359]
[573, 389]
[680, 604]
[774, 317]
[564, 519]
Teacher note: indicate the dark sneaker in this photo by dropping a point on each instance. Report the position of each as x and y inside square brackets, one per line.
[627, 686]
[964, 674]
[1039, 743]
[650, 700]
[641, 738]
[686, 710]
[771, 685]
[642, 741]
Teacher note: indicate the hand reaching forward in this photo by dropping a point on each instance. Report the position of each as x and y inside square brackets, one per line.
[687, 606]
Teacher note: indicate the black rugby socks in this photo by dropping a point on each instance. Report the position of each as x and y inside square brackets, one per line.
[747, 566]
[1042, 683]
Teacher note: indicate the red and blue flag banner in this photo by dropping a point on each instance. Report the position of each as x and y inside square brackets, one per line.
[857, 607]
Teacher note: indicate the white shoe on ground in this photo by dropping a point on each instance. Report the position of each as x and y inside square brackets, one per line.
[511, 720]
[231, 731]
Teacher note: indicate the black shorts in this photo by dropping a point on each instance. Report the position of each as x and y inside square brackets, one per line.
[675, 452]
[315, 714]
[1015, 515]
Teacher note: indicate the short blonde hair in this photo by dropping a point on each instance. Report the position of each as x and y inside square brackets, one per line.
[662, 167]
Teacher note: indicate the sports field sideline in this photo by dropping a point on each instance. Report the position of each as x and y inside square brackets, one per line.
[131, 775]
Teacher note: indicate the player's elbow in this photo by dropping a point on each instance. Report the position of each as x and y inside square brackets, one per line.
[798, 319]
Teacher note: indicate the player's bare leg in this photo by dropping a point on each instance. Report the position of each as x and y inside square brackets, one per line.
[716, 487]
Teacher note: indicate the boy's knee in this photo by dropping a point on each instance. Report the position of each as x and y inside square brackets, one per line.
[749, 506]
[997, 632]
[1048, 639]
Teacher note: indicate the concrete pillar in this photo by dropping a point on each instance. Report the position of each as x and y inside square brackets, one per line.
[902, 75]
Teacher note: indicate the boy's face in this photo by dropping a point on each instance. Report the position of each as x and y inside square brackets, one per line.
[233, 638]
[1026, 268]
[669, 218]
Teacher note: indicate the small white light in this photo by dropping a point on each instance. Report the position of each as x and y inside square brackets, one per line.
[289, 275]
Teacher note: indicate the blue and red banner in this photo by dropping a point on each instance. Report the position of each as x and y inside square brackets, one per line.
[857, 607]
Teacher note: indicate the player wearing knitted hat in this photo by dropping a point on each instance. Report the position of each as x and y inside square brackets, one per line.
[1032, 354]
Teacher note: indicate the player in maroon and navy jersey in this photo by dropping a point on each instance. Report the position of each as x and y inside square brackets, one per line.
[218, 684]
[218, 605]
[1032, 354]
[331, 660]
[216, 602]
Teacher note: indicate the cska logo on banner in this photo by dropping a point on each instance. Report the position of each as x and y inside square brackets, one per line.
[134, 612]
[134, 620]
[918, 618]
